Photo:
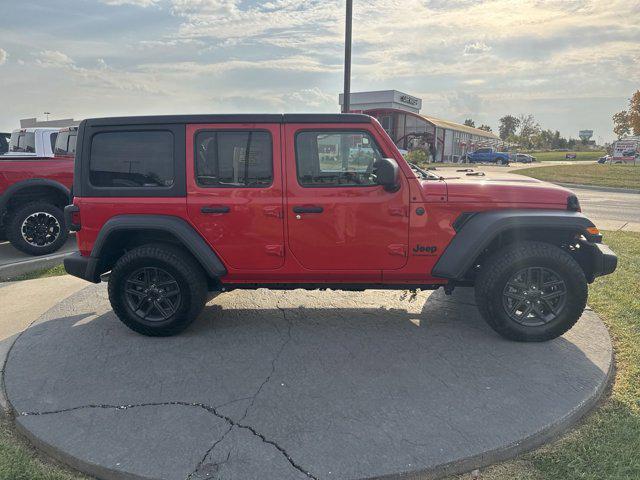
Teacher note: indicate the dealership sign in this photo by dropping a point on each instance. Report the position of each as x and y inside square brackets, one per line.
[409, 100]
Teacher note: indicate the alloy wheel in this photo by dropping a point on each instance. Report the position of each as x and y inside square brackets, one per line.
[534, 296]
[40, 229]
[153, 294]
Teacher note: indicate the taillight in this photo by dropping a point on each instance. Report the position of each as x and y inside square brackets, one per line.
[573, 204]
[72, 218]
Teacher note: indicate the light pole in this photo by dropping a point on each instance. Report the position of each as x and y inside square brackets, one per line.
[347, 57]
[47, 114]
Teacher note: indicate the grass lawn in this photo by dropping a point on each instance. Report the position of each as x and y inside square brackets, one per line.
[561, 156]
[623, 176]
[18, 460]
[606, 446]
[50, 272]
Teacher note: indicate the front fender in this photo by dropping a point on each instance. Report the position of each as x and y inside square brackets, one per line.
[480, 229]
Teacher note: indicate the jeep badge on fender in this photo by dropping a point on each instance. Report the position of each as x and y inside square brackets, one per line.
[424, 250]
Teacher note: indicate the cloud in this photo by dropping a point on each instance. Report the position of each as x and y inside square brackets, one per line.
[3, 56]
[137, 3]
[287, 54]
[53, 58]
[476, 48]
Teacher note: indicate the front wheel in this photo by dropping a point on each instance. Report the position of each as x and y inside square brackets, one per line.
[531, 291]
[157, 290]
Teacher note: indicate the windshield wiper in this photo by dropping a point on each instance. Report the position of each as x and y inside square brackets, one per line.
[426, 175]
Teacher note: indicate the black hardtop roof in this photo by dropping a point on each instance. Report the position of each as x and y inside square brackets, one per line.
[231, 118]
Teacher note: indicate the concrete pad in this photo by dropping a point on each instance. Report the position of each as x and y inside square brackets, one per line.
[21, 303]
[298, 385]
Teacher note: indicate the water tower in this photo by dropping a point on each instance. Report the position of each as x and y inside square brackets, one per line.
[585, 135]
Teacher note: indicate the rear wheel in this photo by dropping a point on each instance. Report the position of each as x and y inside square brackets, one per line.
[37, 228]
[157, 290]
[531, 291]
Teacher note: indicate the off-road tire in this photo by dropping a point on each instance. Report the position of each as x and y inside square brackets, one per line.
[181, 266]
[499, 268]
[16, 219]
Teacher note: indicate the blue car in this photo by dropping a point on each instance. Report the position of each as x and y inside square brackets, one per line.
[488, 155]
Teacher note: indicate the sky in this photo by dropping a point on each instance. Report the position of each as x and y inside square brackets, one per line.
[570, 63]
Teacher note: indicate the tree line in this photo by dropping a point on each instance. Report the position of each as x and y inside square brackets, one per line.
[523, 130]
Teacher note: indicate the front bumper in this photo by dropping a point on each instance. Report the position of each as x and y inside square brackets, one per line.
[82, 267]
[604, 261]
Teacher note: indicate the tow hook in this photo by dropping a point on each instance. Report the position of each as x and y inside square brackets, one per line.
[449, 288]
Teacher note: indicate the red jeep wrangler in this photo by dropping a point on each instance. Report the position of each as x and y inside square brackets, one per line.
[33, 193]
[176, 206]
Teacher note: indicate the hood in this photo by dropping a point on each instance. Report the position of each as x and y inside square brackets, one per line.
[503, 188]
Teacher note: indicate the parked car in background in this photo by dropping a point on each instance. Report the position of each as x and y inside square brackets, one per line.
[488, 155]
[32, 142]
[604, 159]
[34, 191]
[524, 158]
[4, 142]
[571, 156]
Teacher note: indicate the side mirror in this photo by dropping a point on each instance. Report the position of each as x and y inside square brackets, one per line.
[387, 171]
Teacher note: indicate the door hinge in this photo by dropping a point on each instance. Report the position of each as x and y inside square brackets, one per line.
[399, 211]
[398, 249]
[275, 250]
[273, 212]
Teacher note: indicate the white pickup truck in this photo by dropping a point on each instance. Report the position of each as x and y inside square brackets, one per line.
[32, 142]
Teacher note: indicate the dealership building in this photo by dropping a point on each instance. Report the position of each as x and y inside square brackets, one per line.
[399, 114]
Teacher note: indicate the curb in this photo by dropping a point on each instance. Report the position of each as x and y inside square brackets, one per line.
[599, 188]
[22, 267]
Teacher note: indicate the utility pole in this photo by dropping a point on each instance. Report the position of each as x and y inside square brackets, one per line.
[347, 57]
[47, 114]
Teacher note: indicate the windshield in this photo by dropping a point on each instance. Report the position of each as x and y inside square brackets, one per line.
[23, 142]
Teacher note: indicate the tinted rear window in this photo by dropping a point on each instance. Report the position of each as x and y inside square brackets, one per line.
[66, 143]
[132, 159]
[23, 142]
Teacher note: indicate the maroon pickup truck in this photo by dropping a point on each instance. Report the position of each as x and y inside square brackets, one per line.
[33, 194]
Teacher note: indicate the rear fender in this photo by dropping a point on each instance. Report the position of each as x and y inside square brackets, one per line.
[101, 257]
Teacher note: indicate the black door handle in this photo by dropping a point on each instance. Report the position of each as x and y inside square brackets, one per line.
[308, 209]
[216, 209]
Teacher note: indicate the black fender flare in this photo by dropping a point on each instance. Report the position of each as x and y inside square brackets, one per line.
[178, 227]
[480, 229]
[33, 182]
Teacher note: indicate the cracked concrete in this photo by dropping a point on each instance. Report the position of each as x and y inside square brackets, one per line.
[297, 385]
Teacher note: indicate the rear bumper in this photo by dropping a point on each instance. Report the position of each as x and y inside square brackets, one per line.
[604, 261]
[82, 267]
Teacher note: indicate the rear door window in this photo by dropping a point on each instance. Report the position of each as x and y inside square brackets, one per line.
[132, 159]
[234, 159]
